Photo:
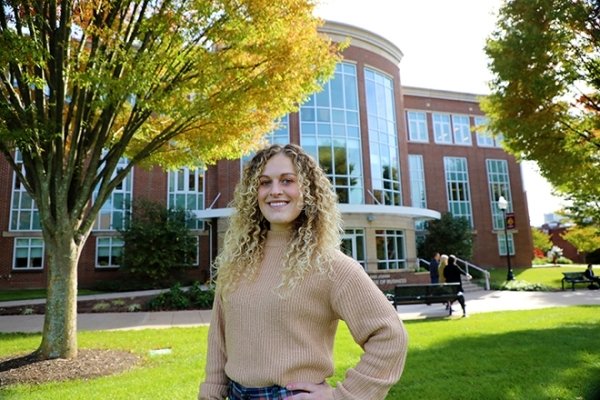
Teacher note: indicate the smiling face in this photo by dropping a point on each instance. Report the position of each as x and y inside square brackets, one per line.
[279, 195]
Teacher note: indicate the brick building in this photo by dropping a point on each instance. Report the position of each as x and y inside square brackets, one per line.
[397, 156]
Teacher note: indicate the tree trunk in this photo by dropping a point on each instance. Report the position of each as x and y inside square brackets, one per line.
[59, 337]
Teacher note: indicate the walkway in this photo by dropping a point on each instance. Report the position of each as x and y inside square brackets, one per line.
[477, 302]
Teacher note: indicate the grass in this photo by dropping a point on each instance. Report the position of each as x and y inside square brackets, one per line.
[535, 354]
[30, 294]
[548, 276]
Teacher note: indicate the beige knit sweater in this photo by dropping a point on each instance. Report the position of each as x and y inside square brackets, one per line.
[257, 338]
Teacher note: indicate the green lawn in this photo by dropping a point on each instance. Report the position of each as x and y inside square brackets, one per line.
[536, 354]
[549, 276]
[29, 294]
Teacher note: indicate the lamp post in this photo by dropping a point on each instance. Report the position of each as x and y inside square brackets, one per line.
[503, 205]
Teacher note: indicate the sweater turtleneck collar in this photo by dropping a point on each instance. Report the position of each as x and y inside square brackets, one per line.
[278, 238]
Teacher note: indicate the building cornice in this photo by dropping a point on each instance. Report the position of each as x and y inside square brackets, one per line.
[441, 94]
[339, 32]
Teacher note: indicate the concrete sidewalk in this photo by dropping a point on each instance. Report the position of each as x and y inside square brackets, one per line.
[477, 302]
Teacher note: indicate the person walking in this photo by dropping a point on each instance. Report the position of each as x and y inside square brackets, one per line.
[434, 274]
[283, 285]
[442, 267]
[453, 273]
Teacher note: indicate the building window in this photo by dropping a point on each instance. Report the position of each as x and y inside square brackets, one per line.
[28, 254]
[281, 136]
[24, 214]
[417, 126]
[418, 194]
[417, 181]
[115, 211]
[499, 185]
[451, 129]
[462, 130]
[390, 249]
[108, 252]
[457, 187]
[330, 132]
[484, 137]
[502, 244]
[383, 140]
[442, 132]
[353, 244]
[186, 192]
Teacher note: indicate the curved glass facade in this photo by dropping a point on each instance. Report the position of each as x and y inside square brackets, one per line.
[330, 132]
[383, 138]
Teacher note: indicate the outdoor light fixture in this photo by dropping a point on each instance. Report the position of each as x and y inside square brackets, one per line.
[503, 205]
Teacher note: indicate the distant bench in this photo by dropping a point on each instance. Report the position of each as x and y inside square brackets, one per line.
[427, 293]
[573, 278]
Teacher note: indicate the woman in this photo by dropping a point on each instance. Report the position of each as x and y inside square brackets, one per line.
[442, 266]
[282, 287]
[452, 273]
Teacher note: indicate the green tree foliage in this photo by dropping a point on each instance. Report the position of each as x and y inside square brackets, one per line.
[585, 239]
[84, 84]
[448, 235]
[158, 243]
[541, 240]
[545, 100]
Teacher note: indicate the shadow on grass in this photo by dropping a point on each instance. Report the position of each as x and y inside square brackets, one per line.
[560, 363]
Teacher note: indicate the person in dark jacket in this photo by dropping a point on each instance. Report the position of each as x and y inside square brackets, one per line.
[433, 268]
[589, 274]
[452, 273]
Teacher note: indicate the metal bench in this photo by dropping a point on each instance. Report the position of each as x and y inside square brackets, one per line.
[428, 293]
[573, 278]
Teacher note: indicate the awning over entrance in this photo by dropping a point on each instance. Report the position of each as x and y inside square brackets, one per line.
[375, 209]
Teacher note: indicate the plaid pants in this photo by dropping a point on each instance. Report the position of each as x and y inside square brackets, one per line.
[239, 392]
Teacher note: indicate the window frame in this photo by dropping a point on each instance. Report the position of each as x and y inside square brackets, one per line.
[29, 247]
[420, 133]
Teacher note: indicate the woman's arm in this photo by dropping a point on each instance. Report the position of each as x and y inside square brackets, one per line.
[215, 383]
[377, 328]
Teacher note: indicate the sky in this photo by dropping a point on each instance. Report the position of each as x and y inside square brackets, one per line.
[442, 42]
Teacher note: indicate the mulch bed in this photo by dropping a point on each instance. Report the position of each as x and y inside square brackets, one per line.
[28, 369]
[122, 304]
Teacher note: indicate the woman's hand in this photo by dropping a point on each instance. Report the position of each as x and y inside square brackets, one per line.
[312, 391]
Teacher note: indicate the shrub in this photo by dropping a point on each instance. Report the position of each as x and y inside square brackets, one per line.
[448, 235]
[201, 298]
[134, 307]
[521, 286]
[100, 307]
[179, 299]
[158, 244]
[174, 299]
[539, 261]
[563, 260]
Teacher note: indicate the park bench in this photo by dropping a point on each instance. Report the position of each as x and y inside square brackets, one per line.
[427, 293]
[573, 278]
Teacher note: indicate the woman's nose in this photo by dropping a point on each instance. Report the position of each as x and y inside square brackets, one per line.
[276, 189]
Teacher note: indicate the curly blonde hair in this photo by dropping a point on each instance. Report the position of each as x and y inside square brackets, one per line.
[316, 230]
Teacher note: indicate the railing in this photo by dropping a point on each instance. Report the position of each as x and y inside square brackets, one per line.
[466, 265]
